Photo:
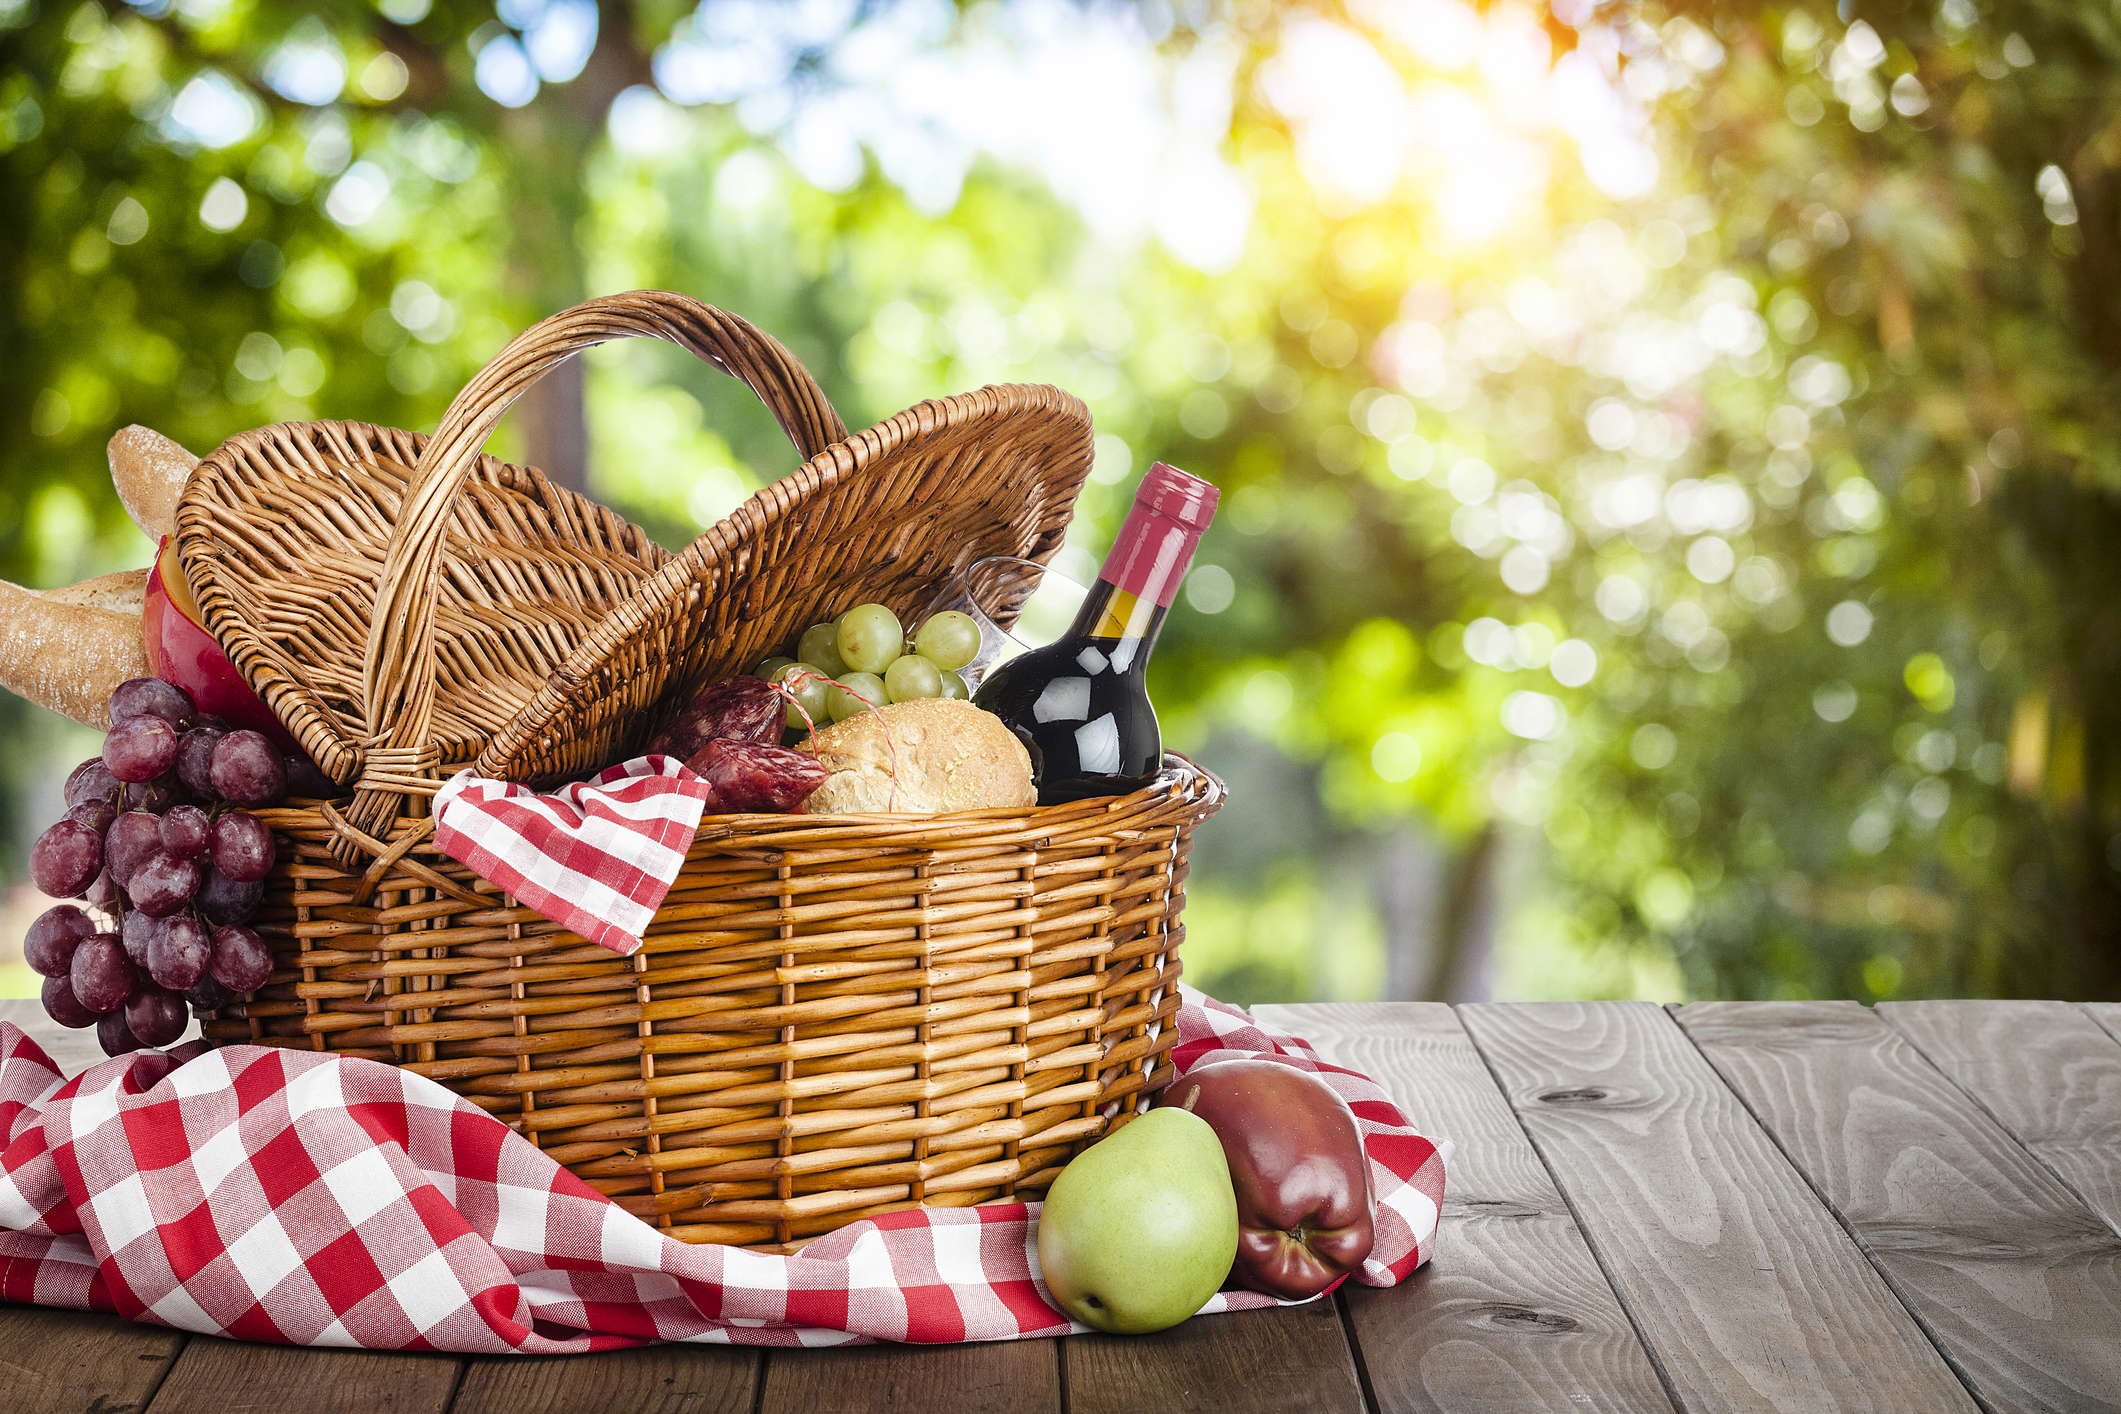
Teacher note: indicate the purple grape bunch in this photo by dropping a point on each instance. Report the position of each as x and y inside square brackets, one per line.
[164, 867]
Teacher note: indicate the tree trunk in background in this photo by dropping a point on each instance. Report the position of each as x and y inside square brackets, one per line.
[1439, 914]
[1406, 871]
[553, 140]
[1473, 914]
[1465, 929]
[545, 276]
[555, 425]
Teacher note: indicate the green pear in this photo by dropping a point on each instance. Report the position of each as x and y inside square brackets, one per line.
[1141, 1229]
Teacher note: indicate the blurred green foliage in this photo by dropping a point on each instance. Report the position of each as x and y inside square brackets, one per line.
[1669, 452]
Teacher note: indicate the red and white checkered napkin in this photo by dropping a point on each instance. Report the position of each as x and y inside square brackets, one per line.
[595, 857]
[315, 1199]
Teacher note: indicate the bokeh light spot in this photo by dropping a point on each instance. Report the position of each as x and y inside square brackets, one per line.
[1848, 623]
[1573, 662]
[1927, 677]
[224, 206]
[1533, 715]
[1665, 897]
[1396, 757]
[1471, 481]
[1834, 701]
[1210, 589]
[1653, 746]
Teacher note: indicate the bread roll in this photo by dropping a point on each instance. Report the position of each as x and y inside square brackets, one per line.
[949, 755]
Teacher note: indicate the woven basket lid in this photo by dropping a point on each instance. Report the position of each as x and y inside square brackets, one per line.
[889, 515]
[282, 531]
[407, 606]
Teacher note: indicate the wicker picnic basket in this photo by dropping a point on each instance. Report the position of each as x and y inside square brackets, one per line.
[833, 1016]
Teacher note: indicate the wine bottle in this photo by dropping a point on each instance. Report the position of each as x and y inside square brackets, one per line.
[1081, 704]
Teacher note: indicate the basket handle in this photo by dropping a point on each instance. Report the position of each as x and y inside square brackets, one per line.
[398, 671]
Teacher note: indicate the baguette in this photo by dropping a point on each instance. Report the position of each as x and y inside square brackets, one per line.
[149, 471]
[67, 657]
[124, 592]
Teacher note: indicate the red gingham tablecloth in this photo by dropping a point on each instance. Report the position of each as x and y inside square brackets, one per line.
[314, 1199]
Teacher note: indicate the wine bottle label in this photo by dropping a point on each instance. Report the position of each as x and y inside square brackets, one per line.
[1123, 617]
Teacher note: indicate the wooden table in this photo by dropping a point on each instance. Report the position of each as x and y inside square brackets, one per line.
[1748, 1206]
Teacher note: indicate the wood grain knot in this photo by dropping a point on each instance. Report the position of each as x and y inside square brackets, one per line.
[1573, 1095]
[1524, 1318]
[2055, 1239]
[1495, 1209]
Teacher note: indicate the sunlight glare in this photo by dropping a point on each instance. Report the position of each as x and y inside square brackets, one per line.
[1348, 105]
[1444, 34]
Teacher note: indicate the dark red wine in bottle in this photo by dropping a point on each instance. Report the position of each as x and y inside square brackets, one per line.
[1081, 704]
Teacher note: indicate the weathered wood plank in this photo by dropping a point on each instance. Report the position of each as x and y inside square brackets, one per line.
[2048, 1074]
[215, 1376]
[1291, 1360]
[1745, 1289]
[73, 1360]
[72, 1051]
[2108, 1015]
[656, 1379]
[1005, 1377]
[2014, 1278]
[1513, 1312]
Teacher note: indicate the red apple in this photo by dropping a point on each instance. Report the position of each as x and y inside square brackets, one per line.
[1298, 1167]
[181, 651]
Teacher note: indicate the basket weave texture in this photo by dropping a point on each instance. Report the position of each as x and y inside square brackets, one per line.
[831, 1016]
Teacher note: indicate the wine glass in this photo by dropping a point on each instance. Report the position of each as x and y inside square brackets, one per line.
[1036, 601]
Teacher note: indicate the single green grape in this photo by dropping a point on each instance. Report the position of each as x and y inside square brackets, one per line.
[954, 687]
[949, 640]
[820, 647]
[770, 666]
[813, 690]
[911, 677]
[855, 694]
[870, 638]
